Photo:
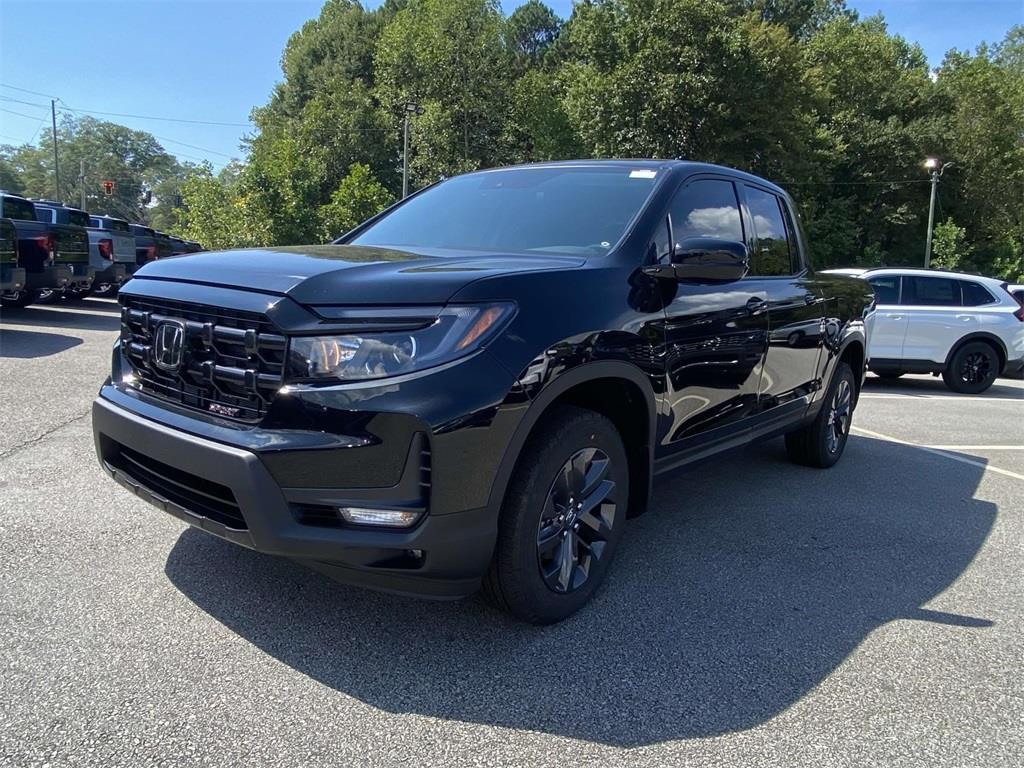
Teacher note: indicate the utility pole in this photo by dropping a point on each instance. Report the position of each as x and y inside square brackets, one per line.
[936, 168]
[411, 108]
[56, 164]
[81, 183]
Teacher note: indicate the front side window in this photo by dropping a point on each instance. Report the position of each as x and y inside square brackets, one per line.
[771, 253]
[44, 214]
[931, 291]
[887, 289]
[975, 295]
[559, 209]
[707, 208]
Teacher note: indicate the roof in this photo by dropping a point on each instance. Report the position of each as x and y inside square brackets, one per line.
[919, 271]
[641, 164]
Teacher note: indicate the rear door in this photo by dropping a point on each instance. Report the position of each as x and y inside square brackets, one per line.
[890, 326]
[936, 317]
[796, 311]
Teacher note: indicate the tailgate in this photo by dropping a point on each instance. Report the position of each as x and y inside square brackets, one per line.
[71, 244]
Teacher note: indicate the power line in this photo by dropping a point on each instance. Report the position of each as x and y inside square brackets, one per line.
[153, 117]
[29, 103]
[21, 114]
[26, 90]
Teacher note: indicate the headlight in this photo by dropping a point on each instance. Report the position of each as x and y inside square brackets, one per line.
[457, 331]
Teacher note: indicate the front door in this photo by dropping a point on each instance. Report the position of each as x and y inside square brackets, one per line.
[890, 321]
[715, 338]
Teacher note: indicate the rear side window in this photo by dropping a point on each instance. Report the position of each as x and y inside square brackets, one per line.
[975, 294]
[931, 291]
[19, 209]
[771, 255]
[78, 218]
[707, 208]
[887, 289]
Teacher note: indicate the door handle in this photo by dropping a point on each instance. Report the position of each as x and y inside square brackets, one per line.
[756, 305]
[894, 317]
[965, 318]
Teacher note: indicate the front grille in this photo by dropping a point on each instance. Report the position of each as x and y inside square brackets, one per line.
[196, 494]
[232, 362]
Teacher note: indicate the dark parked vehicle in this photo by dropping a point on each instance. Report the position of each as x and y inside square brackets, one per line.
[145, 243]
[112, 250]
[164, 244]
[108, 272]
[12, 276]
[55, 257]
[477, 386]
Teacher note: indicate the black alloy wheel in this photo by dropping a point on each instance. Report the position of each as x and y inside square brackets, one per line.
[577, 521]
[562, 518]
[840, 411]
[973, 368]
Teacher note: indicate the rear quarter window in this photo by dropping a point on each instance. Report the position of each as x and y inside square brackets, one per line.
[975, 294]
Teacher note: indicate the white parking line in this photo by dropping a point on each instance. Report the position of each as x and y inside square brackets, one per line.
[938, 452]
[961, 398]
[975, 447]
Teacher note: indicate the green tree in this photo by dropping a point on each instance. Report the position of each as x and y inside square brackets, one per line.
[448, 56]
[683, 78]
[949, 246]
[357, 198]
[982, 103]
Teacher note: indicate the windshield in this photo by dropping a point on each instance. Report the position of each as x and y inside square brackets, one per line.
[574, 210]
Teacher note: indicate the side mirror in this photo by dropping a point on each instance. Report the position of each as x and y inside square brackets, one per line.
[705, 259]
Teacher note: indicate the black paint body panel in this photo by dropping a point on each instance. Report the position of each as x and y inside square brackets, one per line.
[704, 366]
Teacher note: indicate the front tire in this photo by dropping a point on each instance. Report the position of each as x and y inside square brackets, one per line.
[973, 368]
[821, 443]
[18, 300]
[562, 517]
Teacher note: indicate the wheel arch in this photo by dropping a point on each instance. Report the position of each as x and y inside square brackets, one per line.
[585, 386]
[985, 336]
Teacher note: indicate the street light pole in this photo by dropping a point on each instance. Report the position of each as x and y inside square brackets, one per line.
[931, 221]
[937, 169]
[405, 156]
[411, 108]
[56, 166]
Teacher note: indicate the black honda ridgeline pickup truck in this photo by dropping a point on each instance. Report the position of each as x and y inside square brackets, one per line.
[475, 388]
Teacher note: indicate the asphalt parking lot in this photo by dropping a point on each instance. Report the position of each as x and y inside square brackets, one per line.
[759, 614]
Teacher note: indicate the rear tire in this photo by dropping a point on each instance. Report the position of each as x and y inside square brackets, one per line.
[821, 443]
[973, 368]
[561, 519]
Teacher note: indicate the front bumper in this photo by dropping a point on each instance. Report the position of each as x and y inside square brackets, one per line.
[236, 493]
[12, 279]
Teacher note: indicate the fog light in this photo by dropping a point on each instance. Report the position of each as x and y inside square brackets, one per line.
[392, 518]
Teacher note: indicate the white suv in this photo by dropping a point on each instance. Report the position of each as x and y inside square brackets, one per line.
[968, 328]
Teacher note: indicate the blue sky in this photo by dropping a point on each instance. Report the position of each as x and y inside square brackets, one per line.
[211, 60]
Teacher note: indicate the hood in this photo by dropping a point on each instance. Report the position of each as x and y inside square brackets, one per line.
[346, 274]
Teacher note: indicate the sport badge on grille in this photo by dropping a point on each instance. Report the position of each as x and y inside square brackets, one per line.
[169, 346]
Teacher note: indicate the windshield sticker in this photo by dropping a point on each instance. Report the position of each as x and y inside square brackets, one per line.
[642, 174]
